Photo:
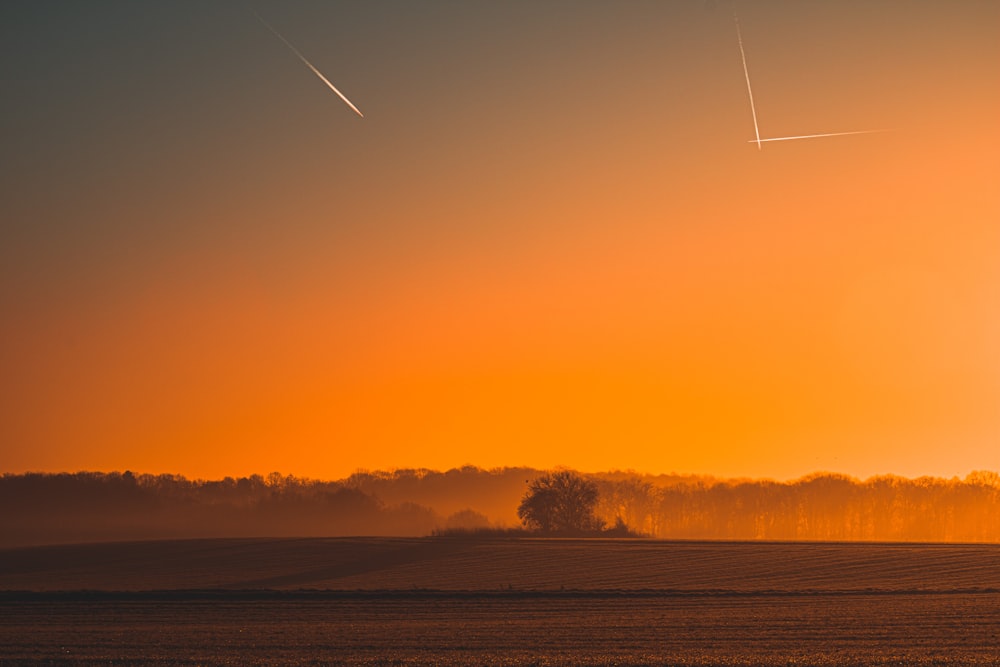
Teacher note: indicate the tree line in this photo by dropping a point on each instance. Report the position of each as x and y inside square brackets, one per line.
[821, 506]
[38, 508]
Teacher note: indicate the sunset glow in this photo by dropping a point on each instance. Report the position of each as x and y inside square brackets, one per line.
[204, 271]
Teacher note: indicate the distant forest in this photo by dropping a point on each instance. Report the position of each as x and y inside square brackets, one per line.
[37, 508]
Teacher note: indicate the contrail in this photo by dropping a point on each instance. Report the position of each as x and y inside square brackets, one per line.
[746, 73]
[759, 141]
[308, 64]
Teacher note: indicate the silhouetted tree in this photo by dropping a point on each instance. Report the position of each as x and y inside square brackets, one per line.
[560, 502]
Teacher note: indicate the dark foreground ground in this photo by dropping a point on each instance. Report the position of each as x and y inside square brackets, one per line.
[508, 602]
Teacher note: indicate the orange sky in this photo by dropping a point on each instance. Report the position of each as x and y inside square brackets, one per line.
[546, 243]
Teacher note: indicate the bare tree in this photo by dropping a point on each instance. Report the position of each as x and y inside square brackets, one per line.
[560, 502]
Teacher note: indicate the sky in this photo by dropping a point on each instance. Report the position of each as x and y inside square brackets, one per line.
[550, 240]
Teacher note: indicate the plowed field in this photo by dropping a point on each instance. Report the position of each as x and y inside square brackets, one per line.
[517, 602]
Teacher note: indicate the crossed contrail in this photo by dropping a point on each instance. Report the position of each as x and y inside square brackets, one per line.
[746, 73]
[753, 108]
[308, 64]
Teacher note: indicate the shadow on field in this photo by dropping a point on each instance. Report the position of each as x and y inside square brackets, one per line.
[414, 552]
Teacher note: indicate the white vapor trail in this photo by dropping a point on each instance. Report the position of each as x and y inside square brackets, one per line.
[746, 73]
[308, 64]
[759, 141]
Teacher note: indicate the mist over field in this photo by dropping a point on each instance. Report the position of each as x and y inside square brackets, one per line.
[37, 508]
